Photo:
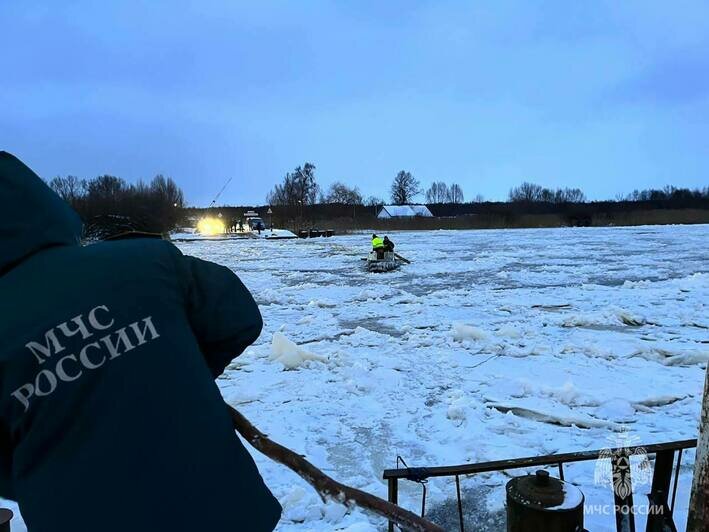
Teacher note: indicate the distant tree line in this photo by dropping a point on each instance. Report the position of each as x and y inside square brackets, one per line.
[532, 192]
[527, 204]
[109, 204]
[300, 188]
[667, 193]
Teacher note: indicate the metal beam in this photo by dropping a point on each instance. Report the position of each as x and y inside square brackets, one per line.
[659, 518]
[532, 461]
[699, 502]
[393, 497]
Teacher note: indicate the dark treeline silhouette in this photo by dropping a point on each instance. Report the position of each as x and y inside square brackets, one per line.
[668, 193]
[528, 205]
[536, 193]
[108, 204]
[571, 204]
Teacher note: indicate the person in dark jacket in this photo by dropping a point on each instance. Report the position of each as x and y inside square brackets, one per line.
[388, 244]
[110, 419]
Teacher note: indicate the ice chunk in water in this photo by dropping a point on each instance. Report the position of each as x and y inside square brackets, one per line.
[289, 354]
[466, 332]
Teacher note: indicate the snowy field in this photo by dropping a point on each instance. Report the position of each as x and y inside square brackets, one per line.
[490, 345]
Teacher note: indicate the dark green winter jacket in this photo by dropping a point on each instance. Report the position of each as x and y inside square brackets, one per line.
[110, 419]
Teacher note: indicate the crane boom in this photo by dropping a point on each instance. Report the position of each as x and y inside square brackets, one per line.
[214, 201]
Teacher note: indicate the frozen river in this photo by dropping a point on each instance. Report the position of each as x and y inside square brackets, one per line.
[490, 345]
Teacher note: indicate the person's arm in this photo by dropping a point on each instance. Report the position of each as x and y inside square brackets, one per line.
[222, 313]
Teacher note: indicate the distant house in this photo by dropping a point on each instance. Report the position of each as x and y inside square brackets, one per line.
[403, 211]
[421, 210]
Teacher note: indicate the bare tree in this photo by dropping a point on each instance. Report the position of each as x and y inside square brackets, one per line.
[569, 195]
[373, 201]
[455, 194]
[341, 193]
[69, 188]
[108, 204]
[404, 188]
[437, 192]
[167, 192]
[537, 193]
[526, 192]
[105, 193]
[297, 188]
[479, 198]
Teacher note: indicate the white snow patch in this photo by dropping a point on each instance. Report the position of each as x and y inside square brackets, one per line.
[670, 357]
[687, 358]
[611, 316]
[508, 331]
[628, 318]
[573, 497]
[566, 394]
[360, 527]
[560, 415]
[289, 354]
[458, 407]
[616, 410]
[301, 506]
[333, 512]
[467, 332]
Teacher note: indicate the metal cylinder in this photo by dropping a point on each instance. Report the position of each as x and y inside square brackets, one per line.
[5, 518]
[540, 503]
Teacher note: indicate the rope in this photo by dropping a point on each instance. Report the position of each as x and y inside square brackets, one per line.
[420, 479]
[486, 360]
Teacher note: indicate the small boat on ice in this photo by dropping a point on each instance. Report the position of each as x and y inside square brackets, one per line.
[383, 262]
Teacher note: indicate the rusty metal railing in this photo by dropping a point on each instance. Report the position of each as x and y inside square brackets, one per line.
[659, 520]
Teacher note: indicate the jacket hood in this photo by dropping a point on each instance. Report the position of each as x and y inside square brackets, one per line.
[32, 216]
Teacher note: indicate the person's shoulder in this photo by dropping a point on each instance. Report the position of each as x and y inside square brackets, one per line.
[135, 235]
[138, 244]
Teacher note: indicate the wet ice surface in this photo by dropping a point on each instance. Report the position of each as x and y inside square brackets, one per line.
[601, 336]
[491, 345]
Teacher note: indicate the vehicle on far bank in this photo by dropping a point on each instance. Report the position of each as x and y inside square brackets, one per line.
[256, 224]
[254, 221]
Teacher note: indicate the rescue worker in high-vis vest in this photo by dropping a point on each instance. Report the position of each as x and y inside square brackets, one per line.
[377, 242]
[110, 419]
[378, 245]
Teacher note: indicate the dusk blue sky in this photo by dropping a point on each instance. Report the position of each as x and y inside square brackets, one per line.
[605, 96]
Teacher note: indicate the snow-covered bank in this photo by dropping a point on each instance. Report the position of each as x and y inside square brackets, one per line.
[491, 345]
